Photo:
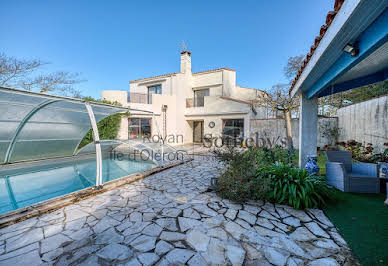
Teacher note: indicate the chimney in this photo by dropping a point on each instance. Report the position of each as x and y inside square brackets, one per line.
[185, 62]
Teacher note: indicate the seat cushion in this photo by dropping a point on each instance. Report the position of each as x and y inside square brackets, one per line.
[353, 174]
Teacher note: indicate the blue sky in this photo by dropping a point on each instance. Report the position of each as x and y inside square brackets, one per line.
[112, 42]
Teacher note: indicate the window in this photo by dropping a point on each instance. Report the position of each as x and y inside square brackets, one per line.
[139, 127]
[157, 89]
[233, 127]
[199, 97]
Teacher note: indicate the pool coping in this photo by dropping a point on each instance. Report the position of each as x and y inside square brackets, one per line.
[56, 203]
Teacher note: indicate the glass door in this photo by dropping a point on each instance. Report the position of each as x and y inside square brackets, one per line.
[197, 131]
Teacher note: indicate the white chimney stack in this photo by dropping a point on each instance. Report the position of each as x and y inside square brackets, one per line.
[185, 62]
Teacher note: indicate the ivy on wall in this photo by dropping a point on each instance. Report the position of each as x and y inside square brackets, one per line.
[107, 127]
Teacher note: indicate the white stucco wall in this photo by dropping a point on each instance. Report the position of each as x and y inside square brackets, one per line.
[275, 130]
[115, 96]
[365, 122]
[176, 88]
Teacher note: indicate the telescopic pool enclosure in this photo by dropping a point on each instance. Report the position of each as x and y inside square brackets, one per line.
[36, 126]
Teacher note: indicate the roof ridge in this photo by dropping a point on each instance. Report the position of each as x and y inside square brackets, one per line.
[213, 70]
[174, 73]
[158, 76]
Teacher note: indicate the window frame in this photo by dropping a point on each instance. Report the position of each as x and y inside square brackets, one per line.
[158, 90]
[202, 97]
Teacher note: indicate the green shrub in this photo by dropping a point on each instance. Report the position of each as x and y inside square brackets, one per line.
[267, 174]
[107, 127]
[295, 187]
[364, 153]
[261, 156]
[239, 182]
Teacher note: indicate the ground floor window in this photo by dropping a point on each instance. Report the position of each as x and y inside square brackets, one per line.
[139, 128]
[233, 128]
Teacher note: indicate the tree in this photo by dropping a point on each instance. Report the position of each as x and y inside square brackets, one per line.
[19, 73]
[338, 100]
[293, 65]
[277, 99]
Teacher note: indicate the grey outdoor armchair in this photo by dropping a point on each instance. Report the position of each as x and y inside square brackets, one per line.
[344, 175]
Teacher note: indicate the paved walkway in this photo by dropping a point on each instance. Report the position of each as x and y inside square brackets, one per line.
[169, 219]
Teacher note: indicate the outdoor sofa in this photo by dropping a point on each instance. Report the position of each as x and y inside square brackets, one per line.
[346, 176]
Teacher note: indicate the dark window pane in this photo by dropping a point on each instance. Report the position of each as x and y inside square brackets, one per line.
[157, 89]
[233, 127]
[199, 99]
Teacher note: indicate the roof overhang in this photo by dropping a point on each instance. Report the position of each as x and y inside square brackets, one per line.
[330, 69]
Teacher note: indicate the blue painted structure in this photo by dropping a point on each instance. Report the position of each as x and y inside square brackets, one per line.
[374, 37]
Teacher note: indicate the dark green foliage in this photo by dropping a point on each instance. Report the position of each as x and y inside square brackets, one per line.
[107, 128]
[268, 174]
[362, 153]
[357, 95]
[295, 187]
[239, 182]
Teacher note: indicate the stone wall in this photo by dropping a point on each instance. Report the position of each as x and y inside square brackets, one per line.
[273, 130]
[365, 122]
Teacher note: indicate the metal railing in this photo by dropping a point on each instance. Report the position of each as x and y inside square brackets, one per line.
[195, 102]
[135, 97]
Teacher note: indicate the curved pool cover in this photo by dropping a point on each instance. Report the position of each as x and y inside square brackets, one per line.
[36, 126]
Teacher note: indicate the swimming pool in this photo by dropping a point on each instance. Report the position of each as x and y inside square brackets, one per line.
[28, 185]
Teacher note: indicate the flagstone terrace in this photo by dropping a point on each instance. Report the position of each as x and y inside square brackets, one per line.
[170, 218]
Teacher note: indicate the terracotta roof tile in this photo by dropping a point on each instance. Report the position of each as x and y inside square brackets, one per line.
[329, 19]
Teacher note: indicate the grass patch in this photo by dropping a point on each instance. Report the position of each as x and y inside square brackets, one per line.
[362, 220]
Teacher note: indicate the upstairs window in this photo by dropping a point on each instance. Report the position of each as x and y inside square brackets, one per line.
[156, 89]
[199, 97]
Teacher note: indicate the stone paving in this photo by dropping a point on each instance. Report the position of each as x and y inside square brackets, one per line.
[169, 218]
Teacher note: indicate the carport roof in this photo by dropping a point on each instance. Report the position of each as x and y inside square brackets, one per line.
[327, 69]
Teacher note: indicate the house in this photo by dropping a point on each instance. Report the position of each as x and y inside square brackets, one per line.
[185, 107]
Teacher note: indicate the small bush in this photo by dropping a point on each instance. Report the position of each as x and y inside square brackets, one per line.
[295, 187]
[267, 174]
[239, 182]
[364, 153]
[261, 156]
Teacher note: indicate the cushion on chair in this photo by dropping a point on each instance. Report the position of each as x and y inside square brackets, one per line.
[353, 174]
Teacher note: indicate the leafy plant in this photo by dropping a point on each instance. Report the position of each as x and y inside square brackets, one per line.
[295, 187]
[239, 182]
[107, 127]
[364, 153]
[268, 174]
[259, 155]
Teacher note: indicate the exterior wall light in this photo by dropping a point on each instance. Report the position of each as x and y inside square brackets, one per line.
[351, 49]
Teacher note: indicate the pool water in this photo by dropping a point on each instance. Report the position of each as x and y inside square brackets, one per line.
[24, 187]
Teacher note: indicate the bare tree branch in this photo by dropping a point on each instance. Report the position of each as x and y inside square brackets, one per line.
[12, 69]
[293, 65]
[18, 73]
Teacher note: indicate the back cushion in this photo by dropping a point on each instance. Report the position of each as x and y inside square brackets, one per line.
[340, 157]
